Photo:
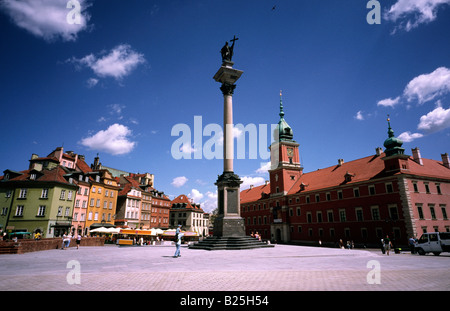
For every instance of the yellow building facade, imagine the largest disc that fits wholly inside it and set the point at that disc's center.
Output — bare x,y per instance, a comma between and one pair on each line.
102,200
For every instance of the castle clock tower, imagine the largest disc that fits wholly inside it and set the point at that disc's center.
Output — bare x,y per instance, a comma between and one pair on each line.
285,160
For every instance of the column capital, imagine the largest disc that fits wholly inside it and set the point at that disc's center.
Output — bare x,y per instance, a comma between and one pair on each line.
227,89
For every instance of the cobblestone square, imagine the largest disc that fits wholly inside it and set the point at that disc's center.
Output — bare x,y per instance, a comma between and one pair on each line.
282,268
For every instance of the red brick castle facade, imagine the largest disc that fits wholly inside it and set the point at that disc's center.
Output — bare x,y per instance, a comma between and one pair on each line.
387,193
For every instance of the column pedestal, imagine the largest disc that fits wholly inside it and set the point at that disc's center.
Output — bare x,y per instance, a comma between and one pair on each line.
229,222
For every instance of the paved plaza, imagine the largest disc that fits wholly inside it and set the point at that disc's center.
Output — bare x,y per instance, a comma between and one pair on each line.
282,268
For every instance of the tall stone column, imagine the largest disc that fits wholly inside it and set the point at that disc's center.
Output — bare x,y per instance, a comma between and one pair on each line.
229,222
228,148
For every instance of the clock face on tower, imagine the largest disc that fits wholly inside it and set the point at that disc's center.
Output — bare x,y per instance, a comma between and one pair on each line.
290,152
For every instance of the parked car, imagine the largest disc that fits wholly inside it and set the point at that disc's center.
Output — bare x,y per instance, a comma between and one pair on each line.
433,242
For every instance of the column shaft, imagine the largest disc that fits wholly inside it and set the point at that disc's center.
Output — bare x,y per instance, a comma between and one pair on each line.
228,148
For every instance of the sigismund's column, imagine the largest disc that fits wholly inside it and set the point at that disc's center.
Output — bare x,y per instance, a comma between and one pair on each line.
228,222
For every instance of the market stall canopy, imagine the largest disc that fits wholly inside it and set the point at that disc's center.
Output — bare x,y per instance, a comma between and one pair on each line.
113,230
137,232
106,230
158,231
102,225
171,232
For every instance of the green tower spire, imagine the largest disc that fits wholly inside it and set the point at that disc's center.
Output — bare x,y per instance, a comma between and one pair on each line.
393,144
284,130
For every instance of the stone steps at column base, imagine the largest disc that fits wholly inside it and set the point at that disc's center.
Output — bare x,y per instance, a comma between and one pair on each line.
230,243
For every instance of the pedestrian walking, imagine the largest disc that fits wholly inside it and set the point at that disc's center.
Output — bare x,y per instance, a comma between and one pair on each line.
78,240
178,245
64,238
383,249
387,244
412,245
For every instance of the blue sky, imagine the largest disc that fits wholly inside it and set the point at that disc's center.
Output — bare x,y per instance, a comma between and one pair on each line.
119,80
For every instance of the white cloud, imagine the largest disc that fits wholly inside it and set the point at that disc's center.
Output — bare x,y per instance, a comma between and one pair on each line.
411,13
113,140
116,109
187,148
428,86
47,18
209,202
247,181
92,82
120,62
436,120
389,102
359,116
195,195
424,88
264,168
179,181
409,137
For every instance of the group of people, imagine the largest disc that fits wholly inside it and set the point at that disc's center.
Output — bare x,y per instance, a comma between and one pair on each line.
256,235
348,245
67,238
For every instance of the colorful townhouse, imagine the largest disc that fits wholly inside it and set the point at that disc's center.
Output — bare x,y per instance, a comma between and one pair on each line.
129,204
102,205
189,215
40,199
161,206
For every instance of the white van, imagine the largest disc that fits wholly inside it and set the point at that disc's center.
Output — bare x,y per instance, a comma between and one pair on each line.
433,242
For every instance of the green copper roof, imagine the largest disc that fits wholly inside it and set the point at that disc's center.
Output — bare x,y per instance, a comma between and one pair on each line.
284,130
393,145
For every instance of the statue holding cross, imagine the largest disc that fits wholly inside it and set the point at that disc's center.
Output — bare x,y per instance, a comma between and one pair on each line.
227,51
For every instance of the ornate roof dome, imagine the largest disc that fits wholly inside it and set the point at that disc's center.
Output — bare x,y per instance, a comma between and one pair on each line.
284,130
393,145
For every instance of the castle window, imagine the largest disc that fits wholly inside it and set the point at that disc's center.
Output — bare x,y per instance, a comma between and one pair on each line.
330,216
389,188
393,212
342,215
359,214
438,189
